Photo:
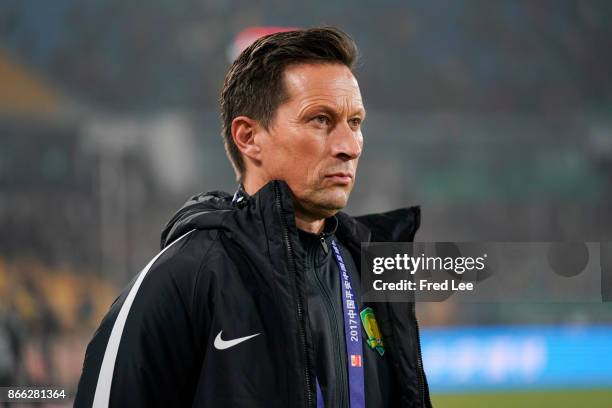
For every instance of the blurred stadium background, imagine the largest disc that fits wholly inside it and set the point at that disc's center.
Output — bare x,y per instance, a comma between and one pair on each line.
495,117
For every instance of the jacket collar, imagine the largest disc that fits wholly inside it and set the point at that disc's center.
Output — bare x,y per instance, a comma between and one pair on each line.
398,225
209,210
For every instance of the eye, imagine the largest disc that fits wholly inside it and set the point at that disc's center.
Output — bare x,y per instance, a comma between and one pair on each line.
355,122
322,120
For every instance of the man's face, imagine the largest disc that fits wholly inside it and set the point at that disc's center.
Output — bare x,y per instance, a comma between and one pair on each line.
314,140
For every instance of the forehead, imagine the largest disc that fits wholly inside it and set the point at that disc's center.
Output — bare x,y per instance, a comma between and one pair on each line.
330,83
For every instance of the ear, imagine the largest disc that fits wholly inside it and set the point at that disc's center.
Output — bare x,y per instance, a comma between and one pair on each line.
244,130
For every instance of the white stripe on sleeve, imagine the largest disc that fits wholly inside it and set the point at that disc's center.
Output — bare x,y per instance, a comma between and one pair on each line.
105,377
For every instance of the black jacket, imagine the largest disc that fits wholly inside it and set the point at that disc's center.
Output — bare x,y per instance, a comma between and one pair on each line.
326,321
230,271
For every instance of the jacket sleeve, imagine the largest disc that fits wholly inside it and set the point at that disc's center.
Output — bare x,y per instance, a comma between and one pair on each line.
145,352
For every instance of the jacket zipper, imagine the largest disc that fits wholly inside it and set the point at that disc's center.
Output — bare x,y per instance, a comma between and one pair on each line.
334,327
299,296
324,244
420,375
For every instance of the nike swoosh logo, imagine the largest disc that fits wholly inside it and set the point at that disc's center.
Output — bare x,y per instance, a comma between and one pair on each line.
221,344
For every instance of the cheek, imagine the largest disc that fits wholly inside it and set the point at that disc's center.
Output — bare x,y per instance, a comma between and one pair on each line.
304,165
296,154
306,148
276,152
313,158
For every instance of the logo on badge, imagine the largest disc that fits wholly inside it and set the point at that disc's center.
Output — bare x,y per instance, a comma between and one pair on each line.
355,360
371,328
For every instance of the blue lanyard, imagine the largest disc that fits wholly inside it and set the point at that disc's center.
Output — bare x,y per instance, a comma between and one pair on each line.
352,335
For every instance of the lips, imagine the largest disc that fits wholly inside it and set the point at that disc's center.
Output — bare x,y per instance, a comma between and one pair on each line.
340,177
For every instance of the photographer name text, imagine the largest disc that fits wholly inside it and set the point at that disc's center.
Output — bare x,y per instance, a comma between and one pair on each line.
413,264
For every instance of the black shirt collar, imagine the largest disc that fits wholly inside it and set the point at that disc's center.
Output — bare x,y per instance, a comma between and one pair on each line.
240,196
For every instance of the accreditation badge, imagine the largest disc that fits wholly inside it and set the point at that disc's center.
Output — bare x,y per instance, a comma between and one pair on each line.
371,328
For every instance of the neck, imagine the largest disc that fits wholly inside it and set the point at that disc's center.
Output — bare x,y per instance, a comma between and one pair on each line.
303,221
252,185
309,224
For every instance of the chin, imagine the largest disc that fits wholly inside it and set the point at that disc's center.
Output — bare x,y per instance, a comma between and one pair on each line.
334,202
325,203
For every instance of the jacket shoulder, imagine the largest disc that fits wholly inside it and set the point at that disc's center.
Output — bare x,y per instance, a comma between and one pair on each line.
154,312
398,225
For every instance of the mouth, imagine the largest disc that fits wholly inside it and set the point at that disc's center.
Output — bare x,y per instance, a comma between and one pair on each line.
344,178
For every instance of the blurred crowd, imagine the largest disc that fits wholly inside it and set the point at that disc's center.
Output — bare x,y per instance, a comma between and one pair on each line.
541,56
47,315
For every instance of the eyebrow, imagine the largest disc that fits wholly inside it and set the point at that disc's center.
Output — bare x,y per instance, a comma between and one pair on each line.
331,111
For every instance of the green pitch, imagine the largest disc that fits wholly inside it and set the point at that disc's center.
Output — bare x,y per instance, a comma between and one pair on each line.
526,399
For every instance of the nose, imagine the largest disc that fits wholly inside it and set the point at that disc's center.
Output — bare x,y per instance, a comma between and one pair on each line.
347,142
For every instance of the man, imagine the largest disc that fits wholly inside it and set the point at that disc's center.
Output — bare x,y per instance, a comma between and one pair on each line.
254,300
